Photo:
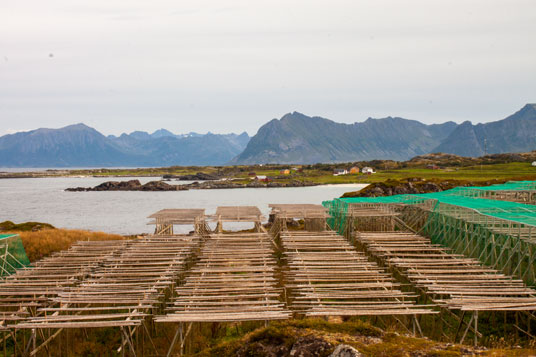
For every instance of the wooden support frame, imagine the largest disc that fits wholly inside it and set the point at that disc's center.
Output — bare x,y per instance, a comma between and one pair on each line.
165,219
237,214
505,245
314,216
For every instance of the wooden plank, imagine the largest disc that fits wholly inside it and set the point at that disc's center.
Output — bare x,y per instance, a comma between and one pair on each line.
320,286
467,285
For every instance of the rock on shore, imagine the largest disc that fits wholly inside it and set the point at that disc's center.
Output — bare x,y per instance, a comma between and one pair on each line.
413,186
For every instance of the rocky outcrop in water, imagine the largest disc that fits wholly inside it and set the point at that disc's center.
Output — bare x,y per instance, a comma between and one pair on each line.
131,185
253,184
135,185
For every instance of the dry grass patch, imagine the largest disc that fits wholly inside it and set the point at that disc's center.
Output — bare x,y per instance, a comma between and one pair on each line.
47,241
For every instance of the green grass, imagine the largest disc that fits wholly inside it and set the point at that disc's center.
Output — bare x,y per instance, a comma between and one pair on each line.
517,170
469,173
324,175
24,227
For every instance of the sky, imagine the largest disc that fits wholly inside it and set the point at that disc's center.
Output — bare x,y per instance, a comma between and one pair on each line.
231,66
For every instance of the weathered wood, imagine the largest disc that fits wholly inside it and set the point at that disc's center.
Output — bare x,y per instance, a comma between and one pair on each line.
233,280
114,288
166,218
449,279
238,214
321,285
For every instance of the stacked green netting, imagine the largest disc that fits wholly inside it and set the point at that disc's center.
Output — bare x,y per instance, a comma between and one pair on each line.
12,254
511,211
478,191
466,197
511,186
337,209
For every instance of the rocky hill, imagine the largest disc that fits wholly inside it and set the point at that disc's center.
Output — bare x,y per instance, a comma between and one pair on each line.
414,185
351,338
442,159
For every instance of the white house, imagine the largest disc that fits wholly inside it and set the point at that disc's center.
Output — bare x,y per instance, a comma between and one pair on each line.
338,172
534,163
367,170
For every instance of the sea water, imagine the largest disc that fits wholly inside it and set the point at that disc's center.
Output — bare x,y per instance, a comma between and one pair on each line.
125,212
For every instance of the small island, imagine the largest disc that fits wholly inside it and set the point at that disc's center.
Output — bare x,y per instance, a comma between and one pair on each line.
135,185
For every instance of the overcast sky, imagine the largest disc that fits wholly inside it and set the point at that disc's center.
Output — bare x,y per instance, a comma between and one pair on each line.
230,66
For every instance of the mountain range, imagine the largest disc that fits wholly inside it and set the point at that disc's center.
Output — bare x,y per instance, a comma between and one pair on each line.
295,138
81,146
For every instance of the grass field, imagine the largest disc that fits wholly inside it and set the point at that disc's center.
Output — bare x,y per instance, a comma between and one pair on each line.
470,173
517,170
323,173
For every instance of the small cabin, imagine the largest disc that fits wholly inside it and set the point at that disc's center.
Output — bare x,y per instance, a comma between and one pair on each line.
534,163
368,170
354,170
252,174
284,172
338,172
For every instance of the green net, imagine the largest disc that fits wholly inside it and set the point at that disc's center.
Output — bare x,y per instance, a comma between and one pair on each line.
13,254
511,211
499,233
495,190
466,197
510,186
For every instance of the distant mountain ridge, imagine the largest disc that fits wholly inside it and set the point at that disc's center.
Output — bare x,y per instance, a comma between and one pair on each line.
516,133
81,146
299,139
160,133
294,139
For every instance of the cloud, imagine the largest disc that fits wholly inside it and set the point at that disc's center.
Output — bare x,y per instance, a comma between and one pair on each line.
198,66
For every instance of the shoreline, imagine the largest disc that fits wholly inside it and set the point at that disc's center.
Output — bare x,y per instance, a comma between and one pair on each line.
31,175
158,186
